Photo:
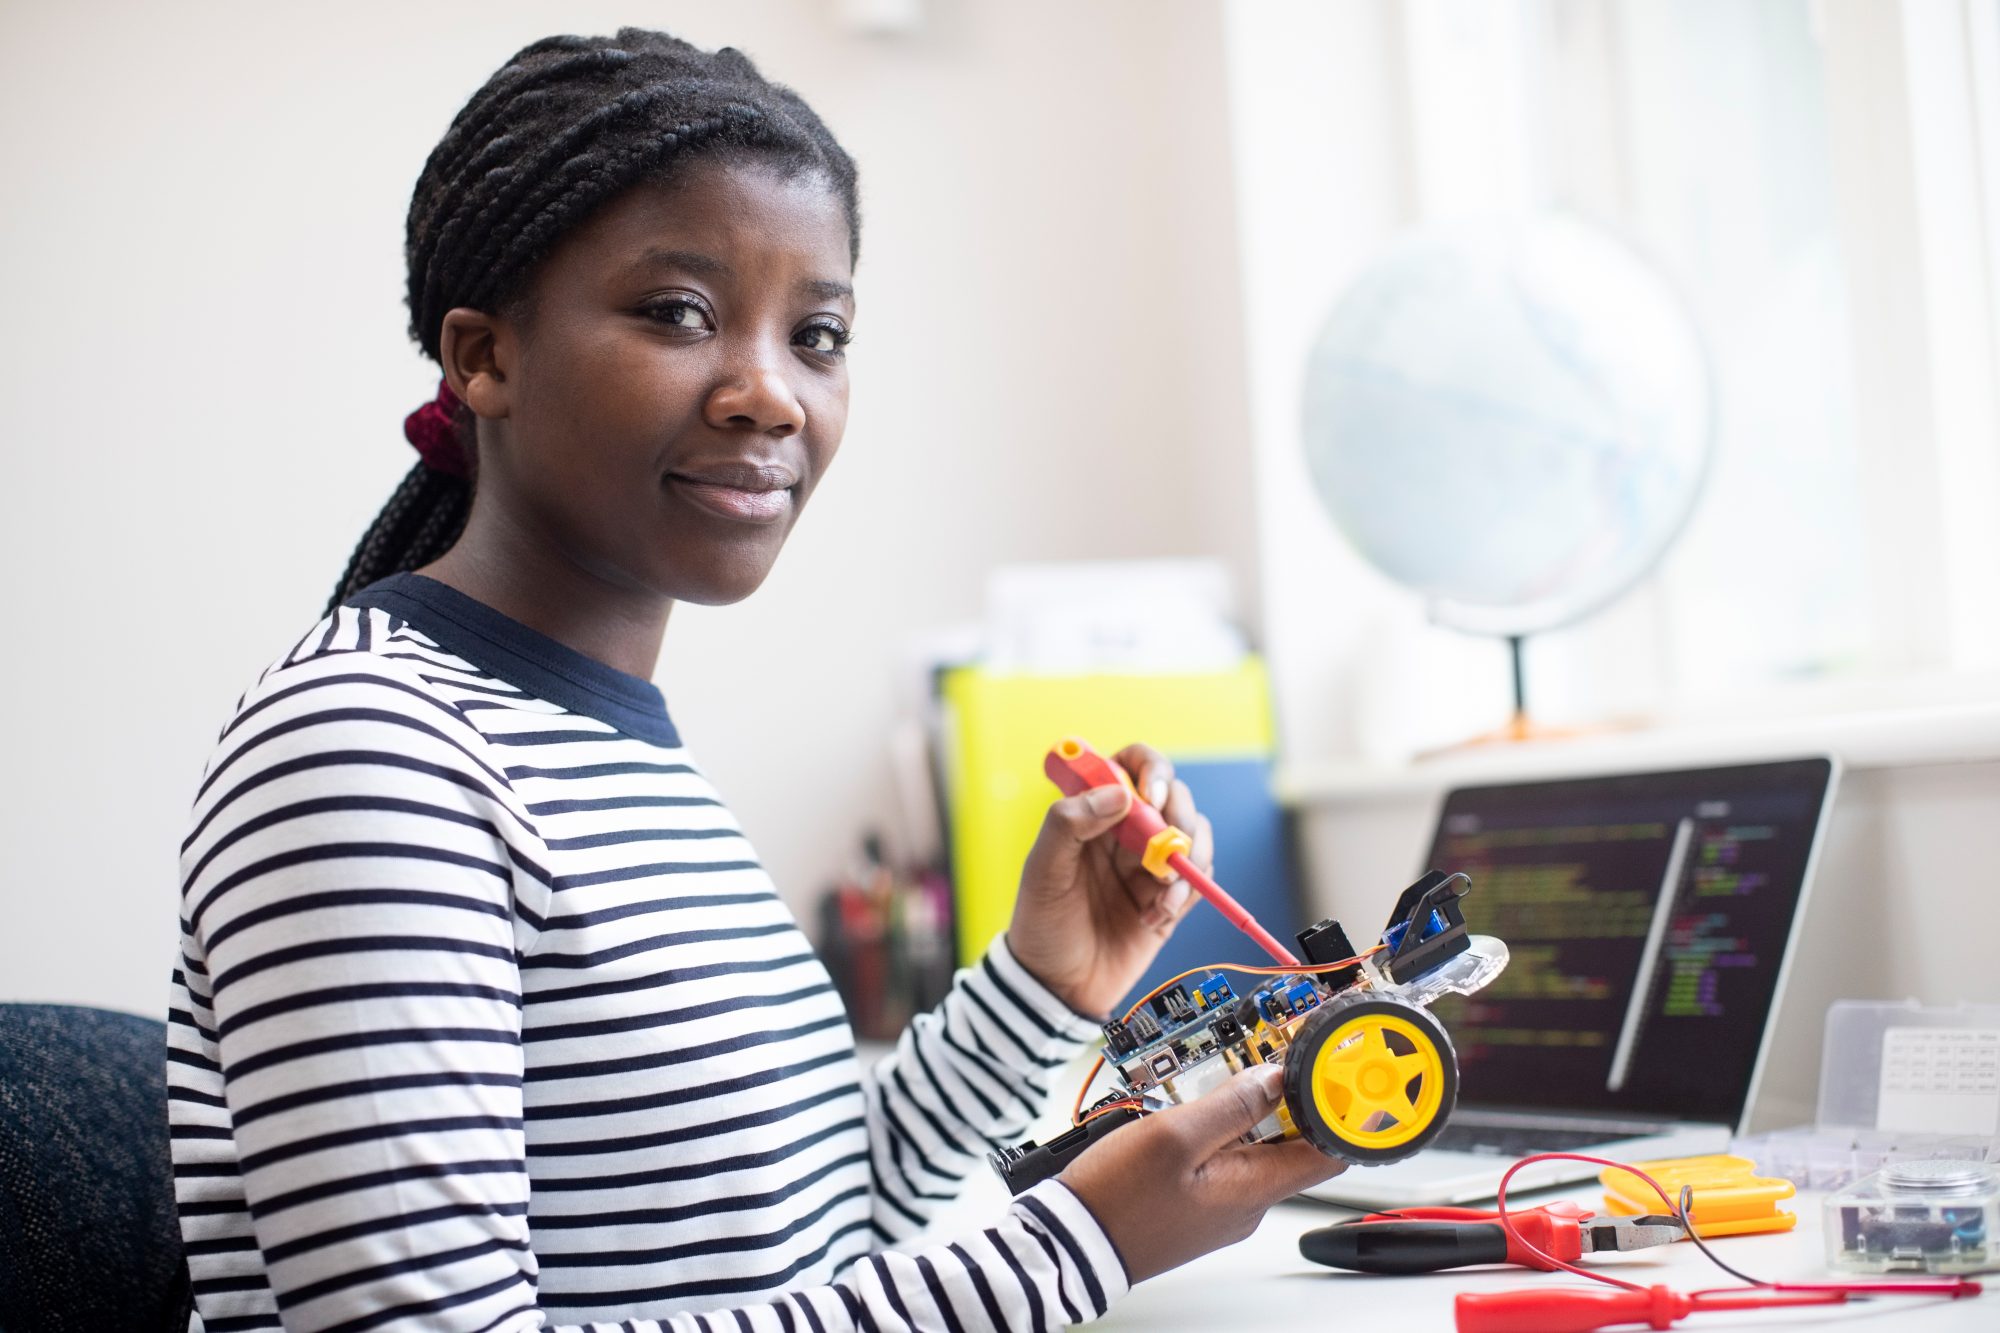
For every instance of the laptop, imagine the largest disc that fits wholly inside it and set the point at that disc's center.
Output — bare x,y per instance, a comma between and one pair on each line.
1650,918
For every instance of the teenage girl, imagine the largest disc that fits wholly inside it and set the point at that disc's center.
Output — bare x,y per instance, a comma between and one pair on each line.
487,1016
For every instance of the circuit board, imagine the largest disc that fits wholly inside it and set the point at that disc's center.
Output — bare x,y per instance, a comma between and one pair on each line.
1192,1036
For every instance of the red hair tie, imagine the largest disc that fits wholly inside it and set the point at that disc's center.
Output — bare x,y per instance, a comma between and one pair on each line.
433,429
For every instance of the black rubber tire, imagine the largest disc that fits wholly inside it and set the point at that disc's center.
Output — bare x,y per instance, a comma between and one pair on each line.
1304,1050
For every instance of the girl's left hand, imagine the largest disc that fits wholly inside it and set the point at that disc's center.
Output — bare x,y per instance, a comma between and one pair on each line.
1090,919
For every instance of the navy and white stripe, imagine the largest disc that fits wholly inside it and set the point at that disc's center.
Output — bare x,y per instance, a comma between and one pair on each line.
487,1018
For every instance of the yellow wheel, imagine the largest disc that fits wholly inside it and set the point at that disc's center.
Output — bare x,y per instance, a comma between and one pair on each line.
1370,1080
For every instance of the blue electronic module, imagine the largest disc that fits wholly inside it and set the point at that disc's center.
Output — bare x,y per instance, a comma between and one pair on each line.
1211,991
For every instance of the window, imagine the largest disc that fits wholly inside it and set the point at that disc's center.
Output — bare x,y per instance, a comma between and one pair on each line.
1700,134
1821,183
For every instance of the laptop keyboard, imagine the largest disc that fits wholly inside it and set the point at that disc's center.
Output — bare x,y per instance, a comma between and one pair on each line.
1519,1141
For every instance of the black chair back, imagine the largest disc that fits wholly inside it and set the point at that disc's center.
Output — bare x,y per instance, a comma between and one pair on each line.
88,1235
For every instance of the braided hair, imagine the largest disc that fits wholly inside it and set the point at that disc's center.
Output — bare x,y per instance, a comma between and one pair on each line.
558,131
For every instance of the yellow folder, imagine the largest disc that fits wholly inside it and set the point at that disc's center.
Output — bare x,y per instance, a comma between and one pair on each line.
997,727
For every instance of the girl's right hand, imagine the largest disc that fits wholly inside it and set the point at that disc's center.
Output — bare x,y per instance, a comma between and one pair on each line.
1179,1183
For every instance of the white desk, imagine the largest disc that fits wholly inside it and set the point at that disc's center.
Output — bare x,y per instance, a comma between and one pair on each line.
1264,1285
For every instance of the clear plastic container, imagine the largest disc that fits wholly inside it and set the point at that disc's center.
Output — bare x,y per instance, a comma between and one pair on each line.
1921,1216
1899,1082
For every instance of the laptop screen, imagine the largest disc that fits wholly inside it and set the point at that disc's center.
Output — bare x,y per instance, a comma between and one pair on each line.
1648,917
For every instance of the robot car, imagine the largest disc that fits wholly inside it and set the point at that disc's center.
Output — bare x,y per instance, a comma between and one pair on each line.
1370,1076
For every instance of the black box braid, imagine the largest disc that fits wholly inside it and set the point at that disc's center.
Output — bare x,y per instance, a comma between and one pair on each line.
559,130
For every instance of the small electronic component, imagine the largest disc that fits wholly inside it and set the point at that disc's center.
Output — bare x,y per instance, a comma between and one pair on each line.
1213,991
1325,942
1118,1040
1173,1006
1935,1215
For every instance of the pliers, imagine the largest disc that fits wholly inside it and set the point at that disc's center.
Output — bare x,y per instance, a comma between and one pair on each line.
1425,1240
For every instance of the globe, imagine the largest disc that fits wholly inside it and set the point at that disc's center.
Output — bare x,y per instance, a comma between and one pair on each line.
1510,418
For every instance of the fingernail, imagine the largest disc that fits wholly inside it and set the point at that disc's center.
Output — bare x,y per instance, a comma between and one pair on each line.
1265,1083
1109,800
1176,895
1156,792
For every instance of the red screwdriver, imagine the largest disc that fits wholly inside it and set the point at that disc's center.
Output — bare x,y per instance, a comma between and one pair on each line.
1073,766
1569,1310
1574,1310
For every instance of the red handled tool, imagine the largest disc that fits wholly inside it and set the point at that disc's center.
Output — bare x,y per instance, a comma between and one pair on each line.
1574,1310
1073,766
1427,1240
1568,1310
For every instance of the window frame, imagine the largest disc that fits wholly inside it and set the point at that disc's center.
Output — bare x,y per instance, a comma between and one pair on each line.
1913,91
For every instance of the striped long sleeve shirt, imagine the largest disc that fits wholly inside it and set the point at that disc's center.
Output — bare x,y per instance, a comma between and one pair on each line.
487,1018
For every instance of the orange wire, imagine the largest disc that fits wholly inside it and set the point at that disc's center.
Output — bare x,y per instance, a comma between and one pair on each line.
1108,1107
1076,1116
1076,1111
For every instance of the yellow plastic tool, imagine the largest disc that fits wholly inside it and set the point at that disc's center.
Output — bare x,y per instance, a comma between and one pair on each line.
1730,1198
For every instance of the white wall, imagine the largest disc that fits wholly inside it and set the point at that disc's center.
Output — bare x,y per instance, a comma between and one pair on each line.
203,371
1321,184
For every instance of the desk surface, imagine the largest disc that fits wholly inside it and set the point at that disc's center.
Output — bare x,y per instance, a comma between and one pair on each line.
1264,1284
1264,1278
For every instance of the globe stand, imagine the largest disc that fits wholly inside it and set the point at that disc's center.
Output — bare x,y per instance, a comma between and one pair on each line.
1519,724
1520,727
